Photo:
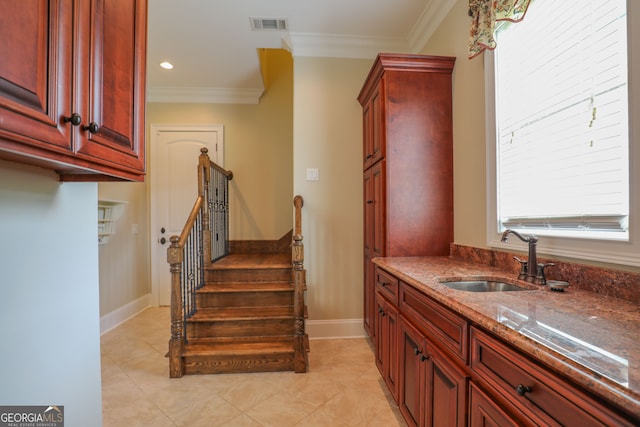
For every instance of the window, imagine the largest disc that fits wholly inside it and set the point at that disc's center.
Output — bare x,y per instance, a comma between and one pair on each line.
560,153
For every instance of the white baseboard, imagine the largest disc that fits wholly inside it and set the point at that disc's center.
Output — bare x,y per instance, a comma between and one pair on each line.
342,328
124,313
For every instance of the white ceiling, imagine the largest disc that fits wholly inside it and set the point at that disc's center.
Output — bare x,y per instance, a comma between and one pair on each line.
214,49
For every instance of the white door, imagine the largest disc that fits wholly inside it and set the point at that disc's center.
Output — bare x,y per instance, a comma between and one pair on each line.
173,155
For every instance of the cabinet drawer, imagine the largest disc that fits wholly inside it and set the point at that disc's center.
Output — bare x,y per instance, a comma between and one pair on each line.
441,324
534,391
387,285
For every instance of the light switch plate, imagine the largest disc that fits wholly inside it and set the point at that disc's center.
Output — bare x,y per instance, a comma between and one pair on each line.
312,174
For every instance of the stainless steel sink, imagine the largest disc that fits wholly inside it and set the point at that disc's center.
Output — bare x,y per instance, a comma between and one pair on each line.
482,286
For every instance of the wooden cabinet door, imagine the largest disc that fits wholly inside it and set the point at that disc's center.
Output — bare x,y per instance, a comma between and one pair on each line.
484,412
369,267
373,126
379,208
445,393
111,54
386,325
367,135
391,371
35,47
381,346
386,339
411,373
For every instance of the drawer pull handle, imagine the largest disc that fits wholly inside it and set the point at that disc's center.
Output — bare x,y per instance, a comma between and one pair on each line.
424,357
417,351
523,389
383,284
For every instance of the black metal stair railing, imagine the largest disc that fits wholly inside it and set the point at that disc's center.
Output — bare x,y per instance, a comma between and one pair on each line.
218,200
205,236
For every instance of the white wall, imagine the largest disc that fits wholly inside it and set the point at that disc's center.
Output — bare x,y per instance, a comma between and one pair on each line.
49,308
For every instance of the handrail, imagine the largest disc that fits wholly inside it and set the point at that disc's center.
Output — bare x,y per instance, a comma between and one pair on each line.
301,340
197,241
191,220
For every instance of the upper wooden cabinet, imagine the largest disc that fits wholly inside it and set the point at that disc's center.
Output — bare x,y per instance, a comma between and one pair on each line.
72,86
407,119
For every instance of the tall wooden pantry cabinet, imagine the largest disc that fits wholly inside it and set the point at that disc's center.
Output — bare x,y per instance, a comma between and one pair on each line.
408,162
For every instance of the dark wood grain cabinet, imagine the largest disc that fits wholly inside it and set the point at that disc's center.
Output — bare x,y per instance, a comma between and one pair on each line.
408,161
387,342
72,86
386,332
433,390
450,372
536,395
484,412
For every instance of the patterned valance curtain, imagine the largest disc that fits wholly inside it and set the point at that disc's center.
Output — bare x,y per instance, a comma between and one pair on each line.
485,14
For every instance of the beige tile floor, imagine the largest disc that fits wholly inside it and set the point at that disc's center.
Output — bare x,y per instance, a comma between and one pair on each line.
342,388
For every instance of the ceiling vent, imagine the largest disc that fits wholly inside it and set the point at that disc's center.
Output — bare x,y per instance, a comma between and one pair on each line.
259,24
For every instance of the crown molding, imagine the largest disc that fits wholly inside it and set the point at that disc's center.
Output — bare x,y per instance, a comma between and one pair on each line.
317,45
345,46
432,16
204,95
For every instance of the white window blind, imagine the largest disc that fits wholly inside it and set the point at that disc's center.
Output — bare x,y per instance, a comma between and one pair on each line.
562,119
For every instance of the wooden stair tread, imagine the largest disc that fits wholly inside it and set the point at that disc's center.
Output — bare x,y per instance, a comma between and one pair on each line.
253,261
246,287
241,313
239,347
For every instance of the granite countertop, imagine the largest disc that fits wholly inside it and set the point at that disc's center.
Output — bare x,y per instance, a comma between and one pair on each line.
593,339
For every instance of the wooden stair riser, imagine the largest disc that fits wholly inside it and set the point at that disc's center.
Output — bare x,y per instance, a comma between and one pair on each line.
240,328
248,275
244,299
235,364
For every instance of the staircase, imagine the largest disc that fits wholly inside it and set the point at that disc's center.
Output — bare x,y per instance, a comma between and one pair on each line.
245,318
236,306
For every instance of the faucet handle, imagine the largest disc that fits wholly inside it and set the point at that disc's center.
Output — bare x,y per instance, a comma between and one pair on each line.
541,278
523,268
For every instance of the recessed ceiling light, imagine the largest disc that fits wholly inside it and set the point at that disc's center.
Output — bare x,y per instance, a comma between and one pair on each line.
166,65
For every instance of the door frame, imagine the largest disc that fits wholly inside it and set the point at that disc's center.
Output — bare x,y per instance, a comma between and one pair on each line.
154,128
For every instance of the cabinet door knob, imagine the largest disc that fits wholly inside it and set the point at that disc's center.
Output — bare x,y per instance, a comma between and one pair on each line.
424,357
417,351
162,240
92,127
74,119
523,389
369,202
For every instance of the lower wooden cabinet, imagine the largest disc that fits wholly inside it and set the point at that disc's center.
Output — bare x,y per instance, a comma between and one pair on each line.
386,338
444,371
484,412
433,390
531,390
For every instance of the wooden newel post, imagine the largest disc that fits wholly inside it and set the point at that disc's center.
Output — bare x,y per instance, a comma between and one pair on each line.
299,282
174,257
204,187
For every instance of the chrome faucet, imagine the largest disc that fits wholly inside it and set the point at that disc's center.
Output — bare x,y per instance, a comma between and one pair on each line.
534,273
